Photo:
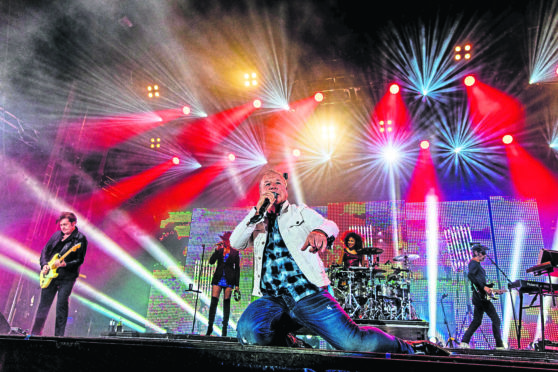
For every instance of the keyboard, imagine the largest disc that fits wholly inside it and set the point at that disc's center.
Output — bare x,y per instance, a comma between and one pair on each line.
543,268
532,287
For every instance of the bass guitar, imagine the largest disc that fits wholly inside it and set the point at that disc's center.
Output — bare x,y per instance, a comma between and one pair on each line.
45,279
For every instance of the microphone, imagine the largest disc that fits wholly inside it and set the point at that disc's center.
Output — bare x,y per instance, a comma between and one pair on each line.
444,295
191,289
266,204
258,216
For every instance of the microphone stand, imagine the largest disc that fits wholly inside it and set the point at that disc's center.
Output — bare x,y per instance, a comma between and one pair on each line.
197,291
517,331
450,342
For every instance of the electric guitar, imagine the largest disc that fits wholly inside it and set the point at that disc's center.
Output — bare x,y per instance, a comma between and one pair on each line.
45,279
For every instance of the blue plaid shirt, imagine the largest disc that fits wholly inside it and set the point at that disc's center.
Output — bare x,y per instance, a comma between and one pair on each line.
280,273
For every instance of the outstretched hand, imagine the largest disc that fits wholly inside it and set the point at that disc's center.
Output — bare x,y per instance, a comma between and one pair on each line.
317,242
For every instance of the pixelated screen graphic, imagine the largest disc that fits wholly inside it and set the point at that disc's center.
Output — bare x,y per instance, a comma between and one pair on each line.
510,228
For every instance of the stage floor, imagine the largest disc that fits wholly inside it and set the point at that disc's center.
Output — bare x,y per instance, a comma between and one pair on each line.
134,351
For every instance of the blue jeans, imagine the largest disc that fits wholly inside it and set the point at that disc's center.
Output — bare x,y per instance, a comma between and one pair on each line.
267,321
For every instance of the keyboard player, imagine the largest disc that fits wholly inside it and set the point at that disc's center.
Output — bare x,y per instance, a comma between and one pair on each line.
481,303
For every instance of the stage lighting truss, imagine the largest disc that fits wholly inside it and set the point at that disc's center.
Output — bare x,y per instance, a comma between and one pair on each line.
458,240
333,96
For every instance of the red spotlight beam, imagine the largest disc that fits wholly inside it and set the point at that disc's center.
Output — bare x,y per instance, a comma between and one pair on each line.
391,107
102,133
105,200
201,136
298,114
494,112
424,179
176,197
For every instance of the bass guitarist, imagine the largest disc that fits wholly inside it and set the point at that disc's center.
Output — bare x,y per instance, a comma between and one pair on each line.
67,270
481,302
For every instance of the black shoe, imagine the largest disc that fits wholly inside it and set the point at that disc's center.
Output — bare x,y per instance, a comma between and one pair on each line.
424,347
293,341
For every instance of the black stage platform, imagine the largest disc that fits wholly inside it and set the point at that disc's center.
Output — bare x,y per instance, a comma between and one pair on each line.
129,351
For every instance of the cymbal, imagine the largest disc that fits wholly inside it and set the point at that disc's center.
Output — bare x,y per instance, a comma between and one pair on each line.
378,271
357,268
371,250
406,257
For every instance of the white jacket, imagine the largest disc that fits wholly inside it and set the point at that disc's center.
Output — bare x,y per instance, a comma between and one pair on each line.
295,223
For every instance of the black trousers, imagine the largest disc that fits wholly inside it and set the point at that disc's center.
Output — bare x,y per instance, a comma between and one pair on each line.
480,308
64,290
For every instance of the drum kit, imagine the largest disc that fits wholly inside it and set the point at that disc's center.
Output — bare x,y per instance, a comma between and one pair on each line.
371,293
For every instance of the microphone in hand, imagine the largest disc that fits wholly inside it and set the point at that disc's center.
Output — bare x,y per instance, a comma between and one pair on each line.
266,204
444,295
258,216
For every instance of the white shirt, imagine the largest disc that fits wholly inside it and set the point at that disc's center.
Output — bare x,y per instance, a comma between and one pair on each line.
295,223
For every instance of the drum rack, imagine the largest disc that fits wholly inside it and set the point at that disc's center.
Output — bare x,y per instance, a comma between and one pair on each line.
365,293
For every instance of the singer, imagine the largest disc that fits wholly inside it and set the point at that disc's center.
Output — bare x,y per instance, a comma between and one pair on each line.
290,280
481,303
227,277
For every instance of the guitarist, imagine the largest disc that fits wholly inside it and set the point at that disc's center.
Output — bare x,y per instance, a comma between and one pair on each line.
68,271
481,303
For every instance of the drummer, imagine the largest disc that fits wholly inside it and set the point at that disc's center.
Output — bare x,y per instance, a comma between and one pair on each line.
352,252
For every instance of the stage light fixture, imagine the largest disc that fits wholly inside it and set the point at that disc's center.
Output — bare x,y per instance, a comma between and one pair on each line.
231,157
155,142
257,103
467,48
153,91
390,154
394,88
319,97
296,153
469,80
424,144
507,139
186,110
176,160
250,79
